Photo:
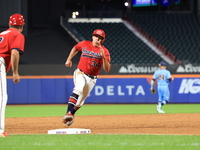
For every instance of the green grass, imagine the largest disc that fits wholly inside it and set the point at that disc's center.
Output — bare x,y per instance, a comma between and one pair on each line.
99,141
111,109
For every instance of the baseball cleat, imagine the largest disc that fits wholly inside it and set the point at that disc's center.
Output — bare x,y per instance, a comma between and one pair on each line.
67,118
3,134
69,123
159,110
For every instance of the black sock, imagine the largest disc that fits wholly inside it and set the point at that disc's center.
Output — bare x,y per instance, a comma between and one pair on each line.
74,109
70,107
72,102
163,103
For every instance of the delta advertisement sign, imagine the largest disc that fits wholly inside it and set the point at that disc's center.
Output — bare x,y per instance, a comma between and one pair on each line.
108,89
137,90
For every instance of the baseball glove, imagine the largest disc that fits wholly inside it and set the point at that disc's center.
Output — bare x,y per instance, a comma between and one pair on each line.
153,91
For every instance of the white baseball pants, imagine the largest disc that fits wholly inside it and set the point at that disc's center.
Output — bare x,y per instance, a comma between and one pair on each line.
83,86
3,94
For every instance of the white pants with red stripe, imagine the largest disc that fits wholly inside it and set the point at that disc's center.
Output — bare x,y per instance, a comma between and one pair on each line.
3,94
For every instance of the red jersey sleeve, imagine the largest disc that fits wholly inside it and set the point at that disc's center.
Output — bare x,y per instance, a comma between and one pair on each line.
18,43
79,45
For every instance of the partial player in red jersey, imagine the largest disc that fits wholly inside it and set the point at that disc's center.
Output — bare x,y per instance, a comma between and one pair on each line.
11,47
94,56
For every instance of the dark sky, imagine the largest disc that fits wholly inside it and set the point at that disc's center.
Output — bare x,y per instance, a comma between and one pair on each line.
90,4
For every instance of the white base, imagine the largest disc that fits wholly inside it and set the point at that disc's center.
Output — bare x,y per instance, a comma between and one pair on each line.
69,131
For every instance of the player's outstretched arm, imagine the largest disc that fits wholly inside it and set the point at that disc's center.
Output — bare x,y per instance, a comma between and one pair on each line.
73,52
153,91
15,63
152,83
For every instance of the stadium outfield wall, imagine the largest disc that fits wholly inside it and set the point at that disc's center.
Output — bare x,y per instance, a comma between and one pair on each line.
109,89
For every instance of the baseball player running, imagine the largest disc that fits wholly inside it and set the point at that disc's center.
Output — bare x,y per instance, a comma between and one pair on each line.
94,56
163,77
11,47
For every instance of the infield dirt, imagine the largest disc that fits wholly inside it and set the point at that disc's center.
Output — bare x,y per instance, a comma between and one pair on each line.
184,124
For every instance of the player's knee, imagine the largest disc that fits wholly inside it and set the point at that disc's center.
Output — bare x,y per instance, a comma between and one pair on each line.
77,91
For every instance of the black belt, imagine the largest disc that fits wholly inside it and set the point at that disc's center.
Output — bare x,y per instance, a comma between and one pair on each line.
92,77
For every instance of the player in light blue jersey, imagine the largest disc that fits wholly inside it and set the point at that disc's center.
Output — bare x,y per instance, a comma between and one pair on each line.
163,78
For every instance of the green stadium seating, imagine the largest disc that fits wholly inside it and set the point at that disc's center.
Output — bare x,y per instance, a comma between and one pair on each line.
177,32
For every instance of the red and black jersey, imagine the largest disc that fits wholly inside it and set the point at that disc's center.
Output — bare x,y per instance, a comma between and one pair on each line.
91,60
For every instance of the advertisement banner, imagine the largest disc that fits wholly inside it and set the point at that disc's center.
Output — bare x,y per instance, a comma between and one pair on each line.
128,69
108,89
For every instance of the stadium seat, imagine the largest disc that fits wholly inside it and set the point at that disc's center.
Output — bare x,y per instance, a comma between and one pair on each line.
177,32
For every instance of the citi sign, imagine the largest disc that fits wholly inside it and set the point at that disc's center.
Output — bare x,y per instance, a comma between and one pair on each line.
189,86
